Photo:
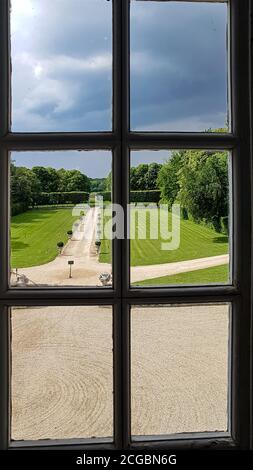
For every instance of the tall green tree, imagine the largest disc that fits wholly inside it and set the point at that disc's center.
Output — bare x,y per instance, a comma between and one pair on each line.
152,175
25,186
168,177
73,180
138,180
48,177
204,185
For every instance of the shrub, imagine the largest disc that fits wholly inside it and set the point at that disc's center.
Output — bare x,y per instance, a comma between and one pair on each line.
73,197
145,196
70,232
60,244
224,225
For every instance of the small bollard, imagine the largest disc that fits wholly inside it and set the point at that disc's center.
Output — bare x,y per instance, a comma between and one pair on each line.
70,263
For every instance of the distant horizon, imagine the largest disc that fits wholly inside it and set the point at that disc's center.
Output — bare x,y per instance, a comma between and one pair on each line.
98,167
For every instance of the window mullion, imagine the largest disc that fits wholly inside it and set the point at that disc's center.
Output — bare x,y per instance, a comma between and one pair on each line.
124,184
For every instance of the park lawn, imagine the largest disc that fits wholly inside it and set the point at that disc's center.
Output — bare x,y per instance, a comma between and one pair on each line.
35,233
216,275
196,241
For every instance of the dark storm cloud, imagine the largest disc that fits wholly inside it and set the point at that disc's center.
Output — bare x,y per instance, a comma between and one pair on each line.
61,59
178,64
62,65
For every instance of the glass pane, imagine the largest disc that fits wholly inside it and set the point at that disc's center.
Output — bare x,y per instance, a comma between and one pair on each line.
179,217
179,369
179,66
58,202
61,54
62,380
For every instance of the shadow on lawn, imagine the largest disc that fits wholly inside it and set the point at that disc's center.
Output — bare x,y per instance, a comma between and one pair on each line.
32,216
220,239
17,245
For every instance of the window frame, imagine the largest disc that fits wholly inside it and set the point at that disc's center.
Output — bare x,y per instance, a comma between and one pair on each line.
121,141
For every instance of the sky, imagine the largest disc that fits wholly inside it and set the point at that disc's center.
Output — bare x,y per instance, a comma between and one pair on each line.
62,72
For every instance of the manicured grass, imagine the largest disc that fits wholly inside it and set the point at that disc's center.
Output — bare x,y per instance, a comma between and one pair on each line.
34,235
196,241
217,274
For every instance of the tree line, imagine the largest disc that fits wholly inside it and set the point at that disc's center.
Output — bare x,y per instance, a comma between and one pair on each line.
27,185
142,177
196,179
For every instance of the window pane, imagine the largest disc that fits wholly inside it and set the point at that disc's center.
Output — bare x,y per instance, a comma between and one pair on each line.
179,217
62,381
179,66
179,369
61,65
58,222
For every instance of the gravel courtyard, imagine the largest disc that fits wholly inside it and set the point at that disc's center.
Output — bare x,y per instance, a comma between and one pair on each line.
62,379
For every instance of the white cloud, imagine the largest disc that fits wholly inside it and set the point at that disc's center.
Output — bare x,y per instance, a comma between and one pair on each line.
194,123
21,12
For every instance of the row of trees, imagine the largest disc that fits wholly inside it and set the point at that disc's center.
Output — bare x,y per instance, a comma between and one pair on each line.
198,180
142,177
28,184
52,180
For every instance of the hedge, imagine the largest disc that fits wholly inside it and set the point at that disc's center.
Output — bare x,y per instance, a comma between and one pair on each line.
74,197
18,208
136,196
107,195
145,196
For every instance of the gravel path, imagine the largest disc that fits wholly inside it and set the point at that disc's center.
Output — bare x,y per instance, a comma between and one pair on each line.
141,273
62,371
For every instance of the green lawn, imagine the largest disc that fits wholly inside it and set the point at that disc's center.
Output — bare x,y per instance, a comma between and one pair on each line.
34,235
217,274
196,241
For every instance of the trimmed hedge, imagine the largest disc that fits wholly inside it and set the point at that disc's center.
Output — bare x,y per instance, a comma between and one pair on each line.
18,208
136,196
74,197
107,195
145,196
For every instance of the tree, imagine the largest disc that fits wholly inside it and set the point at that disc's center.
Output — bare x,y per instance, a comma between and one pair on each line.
204,185
97,185
152,175
108,182
48,177
142,177
73,180
25,186
138,179
168,177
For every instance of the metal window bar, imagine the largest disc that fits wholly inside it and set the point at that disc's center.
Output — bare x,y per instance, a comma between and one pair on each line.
120,141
